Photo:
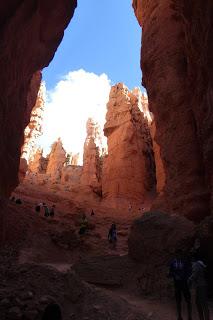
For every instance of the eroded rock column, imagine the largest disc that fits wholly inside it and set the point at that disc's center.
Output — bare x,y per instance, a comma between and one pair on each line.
92,165
128,170
57,159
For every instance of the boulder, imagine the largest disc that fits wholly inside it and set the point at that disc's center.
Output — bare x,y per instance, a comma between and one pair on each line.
154,237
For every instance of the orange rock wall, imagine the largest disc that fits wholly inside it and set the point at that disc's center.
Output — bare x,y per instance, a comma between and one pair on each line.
128,169
30,34
160,172
177,65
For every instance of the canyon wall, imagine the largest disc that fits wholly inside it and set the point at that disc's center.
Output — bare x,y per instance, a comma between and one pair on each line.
34,129
30,34
128,169
176,60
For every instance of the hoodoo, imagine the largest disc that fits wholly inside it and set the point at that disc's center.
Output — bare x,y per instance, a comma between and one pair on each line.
129,169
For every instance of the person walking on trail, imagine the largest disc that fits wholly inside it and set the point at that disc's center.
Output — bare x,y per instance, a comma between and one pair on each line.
46,211
130,207
83,225
52,211
112,235
180,270
198,278
38,207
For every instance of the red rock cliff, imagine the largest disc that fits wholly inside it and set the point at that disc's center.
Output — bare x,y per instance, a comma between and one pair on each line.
177,67
30,34
128,170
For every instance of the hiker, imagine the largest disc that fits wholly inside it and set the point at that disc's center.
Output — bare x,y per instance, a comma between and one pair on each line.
112,235
130,207
38,207
83,224
180,270
52,312
52,211
92,213
198,278
46,210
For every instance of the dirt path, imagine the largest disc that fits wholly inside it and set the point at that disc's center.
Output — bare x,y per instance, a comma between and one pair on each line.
157,309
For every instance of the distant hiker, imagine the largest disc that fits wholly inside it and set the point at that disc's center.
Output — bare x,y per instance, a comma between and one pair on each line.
180,270
112,235
38,207
52,211
18,201
130,207
198,278
83,224
46,211
52,312
92,213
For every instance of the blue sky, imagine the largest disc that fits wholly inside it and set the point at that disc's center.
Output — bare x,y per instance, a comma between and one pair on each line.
103,37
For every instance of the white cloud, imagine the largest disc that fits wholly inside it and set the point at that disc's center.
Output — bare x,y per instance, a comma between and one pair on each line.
77,97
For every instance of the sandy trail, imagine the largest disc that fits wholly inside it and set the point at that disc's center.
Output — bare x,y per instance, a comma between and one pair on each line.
41,250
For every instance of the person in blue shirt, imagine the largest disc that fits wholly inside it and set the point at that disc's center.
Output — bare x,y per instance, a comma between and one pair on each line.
180,271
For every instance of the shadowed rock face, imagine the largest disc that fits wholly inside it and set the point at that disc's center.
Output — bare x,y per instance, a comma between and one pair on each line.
30,34
177,69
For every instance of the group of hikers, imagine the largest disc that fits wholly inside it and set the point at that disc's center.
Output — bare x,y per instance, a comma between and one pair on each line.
186,272
48,212
84,224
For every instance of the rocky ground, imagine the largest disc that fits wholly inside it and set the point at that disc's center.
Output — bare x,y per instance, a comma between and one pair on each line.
46,260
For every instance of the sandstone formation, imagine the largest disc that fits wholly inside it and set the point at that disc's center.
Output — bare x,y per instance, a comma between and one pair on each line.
71,175
34,128
57,158
30,34
22,169
160,172
91,174
177,69
128,169
38,163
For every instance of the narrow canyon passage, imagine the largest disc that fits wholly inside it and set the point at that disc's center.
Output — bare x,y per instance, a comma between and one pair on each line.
144,166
